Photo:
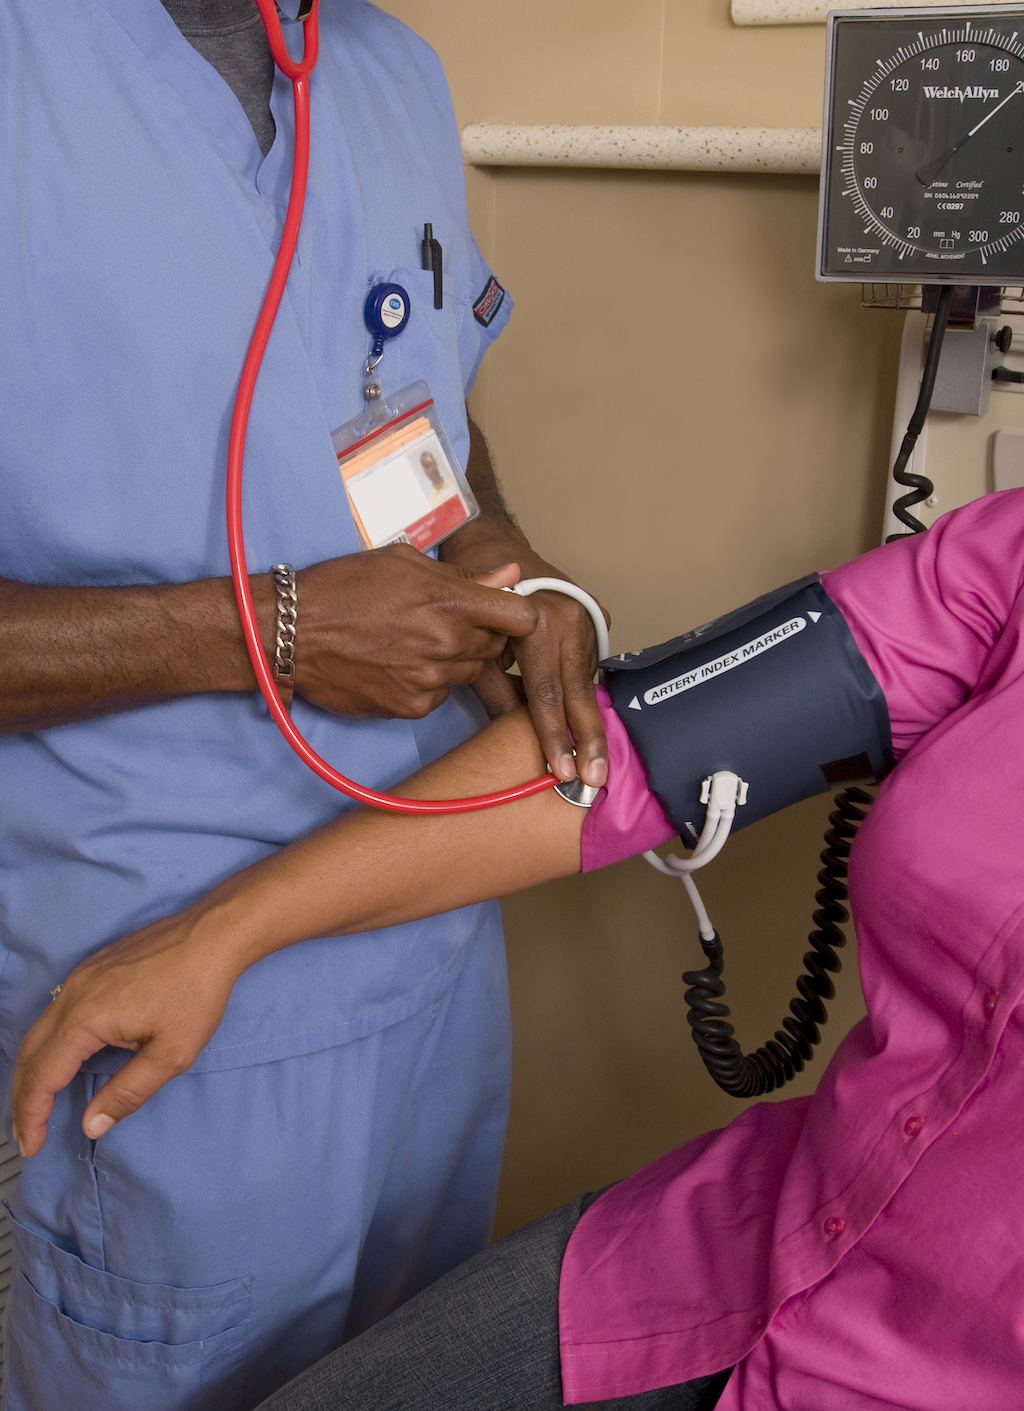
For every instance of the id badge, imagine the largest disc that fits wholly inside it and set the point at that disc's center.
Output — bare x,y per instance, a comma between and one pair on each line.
403,481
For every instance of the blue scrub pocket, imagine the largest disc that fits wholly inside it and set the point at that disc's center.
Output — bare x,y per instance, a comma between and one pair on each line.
77,1336
434,335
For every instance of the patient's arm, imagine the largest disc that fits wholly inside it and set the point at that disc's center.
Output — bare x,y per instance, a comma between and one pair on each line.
162,991
926,614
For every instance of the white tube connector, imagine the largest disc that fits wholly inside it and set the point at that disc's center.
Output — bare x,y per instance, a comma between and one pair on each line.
723,792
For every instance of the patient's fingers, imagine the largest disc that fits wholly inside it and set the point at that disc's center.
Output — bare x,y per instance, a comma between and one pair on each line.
52,1052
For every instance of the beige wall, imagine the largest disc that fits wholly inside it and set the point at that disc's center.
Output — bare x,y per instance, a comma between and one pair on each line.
682,419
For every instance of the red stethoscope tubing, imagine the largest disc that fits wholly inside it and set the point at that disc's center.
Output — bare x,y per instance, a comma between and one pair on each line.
298,73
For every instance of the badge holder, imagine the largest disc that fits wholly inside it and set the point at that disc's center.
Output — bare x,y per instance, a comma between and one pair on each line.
403,481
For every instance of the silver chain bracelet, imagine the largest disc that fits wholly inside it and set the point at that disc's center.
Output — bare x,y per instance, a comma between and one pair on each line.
284,639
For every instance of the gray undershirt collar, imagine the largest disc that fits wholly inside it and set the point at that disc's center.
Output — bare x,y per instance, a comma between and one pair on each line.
229,34
210,16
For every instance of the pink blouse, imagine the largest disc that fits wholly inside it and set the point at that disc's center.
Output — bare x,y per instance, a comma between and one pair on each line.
863,1248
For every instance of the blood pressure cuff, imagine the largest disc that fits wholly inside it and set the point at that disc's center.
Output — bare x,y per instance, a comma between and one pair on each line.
776,691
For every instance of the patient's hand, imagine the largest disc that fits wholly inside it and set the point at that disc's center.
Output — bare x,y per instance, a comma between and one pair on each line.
161,991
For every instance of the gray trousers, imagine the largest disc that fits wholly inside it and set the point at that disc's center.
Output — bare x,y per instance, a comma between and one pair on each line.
483,1338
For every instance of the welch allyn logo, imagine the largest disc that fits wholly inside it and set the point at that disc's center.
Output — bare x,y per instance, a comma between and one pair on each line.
930,91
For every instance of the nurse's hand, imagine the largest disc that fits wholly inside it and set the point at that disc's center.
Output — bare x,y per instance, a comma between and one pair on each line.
557,664
557,660
385,633
160,992
390,632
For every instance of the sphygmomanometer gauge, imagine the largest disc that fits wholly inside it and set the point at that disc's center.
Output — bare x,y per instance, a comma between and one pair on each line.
923,146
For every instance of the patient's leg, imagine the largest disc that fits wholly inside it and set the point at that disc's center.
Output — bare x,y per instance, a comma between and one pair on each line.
483,1338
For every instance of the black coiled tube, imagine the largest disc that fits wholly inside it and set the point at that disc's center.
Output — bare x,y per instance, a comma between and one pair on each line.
753,1074
921,488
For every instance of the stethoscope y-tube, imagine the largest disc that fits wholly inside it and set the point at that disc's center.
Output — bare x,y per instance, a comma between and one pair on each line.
299,74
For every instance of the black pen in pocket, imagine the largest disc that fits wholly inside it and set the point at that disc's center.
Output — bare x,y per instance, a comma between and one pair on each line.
432,260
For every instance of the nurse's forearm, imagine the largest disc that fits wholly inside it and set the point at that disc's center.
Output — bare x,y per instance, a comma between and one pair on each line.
73,653
386,633
372,869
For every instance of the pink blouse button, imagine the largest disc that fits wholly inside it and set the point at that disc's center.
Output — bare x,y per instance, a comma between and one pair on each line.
758,1324
913,1126
834,1227
991,1000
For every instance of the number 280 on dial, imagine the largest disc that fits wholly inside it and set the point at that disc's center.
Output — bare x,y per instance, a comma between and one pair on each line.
923,146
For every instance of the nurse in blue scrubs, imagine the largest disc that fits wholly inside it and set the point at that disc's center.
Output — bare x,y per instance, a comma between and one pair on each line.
336,1145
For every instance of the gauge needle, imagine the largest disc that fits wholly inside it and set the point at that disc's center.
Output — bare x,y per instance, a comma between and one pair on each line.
926,175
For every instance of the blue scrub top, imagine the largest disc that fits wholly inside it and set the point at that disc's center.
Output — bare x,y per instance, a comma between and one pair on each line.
136,239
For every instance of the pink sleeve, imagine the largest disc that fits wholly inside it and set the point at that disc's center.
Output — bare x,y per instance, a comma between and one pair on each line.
626,818
927,612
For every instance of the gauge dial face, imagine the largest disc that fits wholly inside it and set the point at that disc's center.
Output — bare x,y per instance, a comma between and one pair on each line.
924,172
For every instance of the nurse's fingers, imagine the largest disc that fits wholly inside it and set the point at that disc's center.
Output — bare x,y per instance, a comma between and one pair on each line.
498,692
477,603
557,662
437,682
380,628
584,718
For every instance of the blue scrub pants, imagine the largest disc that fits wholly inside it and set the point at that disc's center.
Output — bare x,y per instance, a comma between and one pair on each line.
214,1244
